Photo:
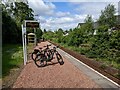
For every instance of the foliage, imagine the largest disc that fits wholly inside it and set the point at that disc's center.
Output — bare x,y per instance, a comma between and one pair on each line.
10,33
74,38
48,35
12,17
11,58
59,35
103,46
89,25
21,12
107,16
39,33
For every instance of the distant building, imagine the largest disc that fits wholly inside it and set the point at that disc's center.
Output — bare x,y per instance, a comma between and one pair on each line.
117,26
118,19
95,24
79,25
66,34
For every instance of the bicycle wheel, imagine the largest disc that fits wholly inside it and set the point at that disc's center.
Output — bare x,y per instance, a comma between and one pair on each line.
33,55
40,60
60,59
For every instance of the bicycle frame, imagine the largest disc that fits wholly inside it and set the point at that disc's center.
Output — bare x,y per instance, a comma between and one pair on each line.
54,51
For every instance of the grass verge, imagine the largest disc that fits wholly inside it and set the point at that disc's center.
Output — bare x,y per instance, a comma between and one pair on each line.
12,57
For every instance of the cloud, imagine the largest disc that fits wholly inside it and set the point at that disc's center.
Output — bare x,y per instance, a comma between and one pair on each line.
119,8
51,18
42,8
81,0
92,8
62,14
61,20
93,0
42,19
65,22
54,27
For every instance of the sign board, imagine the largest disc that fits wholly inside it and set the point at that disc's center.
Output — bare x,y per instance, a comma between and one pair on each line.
32,24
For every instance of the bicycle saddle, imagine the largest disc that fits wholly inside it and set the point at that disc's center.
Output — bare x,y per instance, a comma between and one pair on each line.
44,46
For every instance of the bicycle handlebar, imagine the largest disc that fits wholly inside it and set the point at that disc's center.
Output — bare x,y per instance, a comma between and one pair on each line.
47,46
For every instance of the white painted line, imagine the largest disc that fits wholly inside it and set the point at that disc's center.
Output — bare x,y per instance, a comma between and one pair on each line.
67,56
97,72
93,70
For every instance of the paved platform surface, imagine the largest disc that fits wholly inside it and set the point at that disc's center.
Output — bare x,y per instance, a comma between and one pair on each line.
101,81
72,74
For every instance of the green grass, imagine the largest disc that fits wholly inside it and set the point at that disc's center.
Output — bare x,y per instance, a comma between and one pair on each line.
12,57
30,47
85,51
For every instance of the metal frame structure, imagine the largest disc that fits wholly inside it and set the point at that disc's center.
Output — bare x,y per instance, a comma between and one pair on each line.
24,38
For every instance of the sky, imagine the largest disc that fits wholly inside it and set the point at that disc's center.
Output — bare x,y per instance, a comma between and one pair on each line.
66,14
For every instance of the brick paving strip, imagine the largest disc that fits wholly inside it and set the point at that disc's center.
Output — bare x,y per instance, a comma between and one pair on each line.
53,76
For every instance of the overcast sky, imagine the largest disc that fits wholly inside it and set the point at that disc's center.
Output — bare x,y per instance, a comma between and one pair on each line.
66,14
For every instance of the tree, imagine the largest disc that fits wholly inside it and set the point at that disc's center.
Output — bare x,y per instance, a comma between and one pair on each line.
13,15
89,25
59,34
49,35
10,33
21,11
39,33
75,38
107,16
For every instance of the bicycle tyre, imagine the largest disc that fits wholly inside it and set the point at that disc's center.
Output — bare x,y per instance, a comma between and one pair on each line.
40,60
60,59
33,56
